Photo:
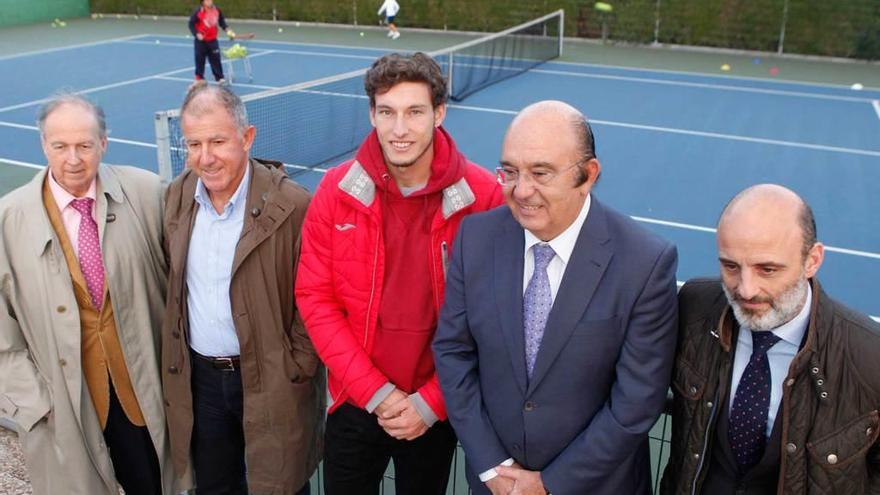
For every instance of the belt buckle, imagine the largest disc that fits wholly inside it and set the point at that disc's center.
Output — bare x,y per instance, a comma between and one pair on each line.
225,363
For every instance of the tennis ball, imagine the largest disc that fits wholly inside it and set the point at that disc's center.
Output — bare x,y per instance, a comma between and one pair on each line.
157,42
297,24
857,86
725,67
62,24
155,18
774,71
362,34
94,15
280,30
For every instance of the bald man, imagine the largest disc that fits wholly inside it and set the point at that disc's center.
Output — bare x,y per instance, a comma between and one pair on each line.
776,385
555,343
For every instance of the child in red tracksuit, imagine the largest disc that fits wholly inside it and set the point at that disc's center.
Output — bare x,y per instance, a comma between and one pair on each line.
203,25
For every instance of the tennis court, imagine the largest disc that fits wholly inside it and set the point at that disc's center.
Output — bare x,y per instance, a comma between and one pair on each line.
676,136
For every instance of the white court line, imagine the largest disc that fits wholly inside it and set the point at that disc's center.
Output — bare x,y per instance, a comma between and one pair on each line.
699,228
115,85
715,135
261,50
379,50
707,74
234,84
876,105
720,87
70,47
21,164
111,139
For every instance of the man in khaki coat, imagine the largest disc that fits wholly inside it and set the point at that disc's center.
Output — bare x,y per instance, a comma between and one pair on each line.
244,387
82,286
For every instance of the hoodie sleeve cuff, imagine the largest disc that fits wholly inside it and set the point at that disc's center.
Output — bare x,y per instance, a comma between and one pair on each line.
423,409
380,395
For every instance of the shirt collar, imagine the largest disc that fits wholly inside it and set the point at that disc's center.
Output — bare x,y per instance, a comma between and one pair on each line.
63,198
202,197
563,244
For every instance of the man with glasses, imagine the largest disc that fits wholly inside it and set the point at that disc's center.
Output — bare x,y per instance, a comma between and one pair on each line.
556,340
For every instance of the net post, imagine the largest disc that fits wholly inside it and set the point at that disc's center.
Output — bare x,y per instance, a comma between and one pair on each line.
561,29
449,83
163,146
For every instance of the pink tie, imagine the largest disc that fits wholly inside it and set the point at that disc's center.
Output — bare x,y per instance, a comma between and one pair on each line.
90,251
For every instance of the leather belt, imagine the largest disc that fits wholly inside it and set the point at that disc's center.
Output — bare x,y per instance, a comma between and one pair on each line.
229,363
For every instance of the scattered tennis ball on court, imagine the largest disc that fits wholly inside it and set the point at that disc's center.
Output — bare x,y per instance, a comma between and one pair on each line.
297,24
155,18
62,24
157,42
362,34
725,67
100,16
857,86
774,70
280,30
94,15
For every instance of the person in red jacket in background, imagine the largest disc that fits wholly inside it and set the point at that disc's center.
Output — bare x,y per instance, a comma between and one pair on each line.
376,241
203,25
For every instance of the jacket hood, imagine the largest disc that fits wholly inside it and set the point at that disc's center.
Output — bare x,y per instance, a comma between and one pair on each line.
447,168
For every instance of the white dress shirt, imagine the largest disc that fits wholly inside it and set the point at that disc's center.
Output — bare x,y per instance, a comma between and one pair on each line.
209,272
563,247
779,356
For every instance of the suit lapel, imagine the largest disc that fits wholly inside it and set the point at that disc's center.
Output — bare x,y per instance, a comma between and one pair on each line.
508,271
588,262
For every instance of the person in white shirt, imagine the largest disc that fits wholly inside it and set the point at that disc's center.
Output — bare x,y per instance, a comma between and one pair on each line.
390,8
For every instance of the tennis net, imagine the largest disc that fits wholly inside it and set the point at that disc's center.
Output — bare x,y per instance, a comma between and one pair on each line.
321,122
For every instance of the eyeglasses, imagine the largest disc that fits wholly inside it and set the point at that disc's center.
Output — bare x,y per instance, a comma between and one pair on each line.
510,177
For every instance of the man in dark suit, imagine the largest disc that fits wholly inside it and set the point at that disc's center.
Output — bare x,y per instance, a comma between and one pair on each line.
556,339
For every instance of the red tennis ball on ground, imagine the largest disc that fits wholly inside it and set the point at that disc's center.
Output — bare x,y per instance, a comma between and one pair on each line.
774,71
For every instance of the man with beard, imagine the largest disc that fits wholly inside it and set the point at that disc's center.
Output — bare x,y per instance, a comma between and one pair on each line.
375,246
777,386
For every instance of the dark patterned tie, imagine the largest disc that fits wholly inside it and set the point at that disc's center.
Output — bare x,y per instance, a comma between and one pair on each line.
748,416
89,247
537,301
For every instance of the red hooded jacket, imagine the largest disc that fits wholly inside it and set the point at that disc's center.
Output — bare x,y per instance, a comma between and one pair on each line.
343,269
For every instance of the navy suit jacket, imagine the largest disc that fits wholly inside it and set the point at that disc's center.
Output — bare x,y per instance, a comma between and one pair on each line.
602,370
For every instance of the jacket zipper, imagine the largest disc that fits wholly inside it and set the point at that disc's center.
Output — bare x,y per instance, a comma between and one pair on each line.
705,442
385,177
444,252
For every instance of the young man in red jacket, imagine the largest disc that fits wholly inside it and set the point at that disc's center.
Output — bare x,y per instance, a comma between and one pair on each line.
375,245
203,25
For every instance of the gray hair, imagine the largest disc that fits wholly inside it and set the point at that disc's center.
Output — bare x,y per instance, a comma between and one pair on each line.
219,93
67,97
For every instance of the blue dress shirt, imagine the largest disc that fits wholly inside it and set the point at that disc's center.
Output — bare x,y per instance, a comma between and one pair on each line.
209,272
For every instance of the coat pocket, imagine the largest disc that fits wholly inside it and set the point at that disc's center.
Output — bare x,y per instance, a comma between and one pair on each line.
839,460
686,382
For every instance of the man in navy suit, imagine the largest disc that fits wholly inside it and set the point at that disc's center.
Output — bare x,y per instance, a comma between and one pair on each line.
555,344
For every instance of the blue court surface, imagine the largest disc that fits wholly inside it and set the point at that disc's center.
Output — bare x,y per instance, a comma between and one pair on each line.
674,146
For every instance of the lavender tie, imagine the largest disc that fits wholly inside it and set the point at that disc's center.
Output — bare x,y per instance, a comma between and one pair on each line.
89,247
748,416
537,301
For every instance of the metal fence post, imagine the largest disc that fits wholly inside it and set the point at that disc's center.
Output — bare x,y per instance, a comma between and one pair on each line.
781,46
657,23
163,147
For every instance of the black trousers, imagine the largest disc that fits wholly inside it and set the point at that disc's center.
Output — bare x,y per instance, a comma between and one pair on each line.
218,435
357,450
132,452
211,50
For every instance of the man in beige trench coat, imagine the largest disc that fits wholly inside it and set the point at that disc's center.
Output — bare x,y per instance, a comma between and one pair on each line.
82,285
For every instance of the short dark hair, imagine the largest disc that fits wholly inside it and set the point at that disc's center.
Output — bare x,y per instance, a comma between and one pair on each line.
808,228
586,147
394,68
